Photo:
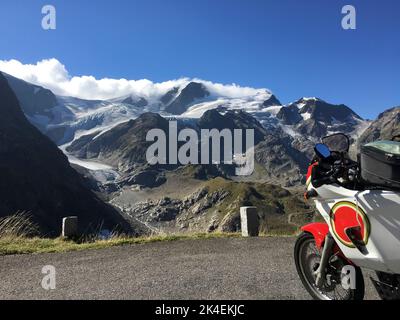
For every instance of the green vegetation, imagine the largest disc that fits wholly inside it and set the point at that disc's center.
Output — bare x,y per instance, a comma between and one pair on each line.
23,245
281,211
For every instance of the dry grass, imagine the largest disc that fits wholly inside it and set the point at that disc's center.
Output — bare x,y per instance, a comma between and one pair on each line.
18,225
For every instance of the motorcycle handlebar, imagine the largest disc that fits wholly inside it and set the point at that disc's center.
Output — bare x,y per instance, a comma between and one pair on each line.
338,170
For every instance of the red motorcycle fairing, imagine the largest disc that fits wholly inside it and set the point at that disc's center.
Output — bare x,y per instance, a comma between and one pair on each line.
309,173
319,232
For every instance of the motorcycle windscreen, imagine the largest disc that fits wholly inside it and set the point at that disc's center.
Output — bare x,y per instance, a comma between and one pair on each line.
337,142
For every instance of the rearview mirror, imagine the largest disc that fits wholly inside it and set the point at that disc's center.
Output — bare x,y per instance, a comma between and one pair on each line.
322,150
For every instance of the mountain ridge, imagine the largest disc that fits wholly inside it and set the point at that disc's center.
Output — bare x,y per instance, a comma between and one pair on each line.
37,177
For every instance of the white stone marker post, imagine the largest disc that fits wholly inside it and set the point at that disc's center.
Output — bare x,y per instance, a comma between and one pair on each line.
70,227
250,221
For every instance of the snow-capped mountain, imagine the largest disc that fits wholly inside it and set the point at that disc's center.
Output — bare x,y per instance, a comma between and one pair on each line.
70,121
65,119
316,118
105,141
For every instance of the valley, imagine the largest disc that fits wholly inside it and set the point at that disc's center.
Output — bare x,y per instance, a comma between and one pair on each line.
105,142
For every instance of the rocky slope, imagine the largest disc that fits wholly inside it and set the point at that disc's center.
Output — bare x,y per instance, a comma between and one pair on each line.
37,178
34,100
125,145
384,128
281,161
212,205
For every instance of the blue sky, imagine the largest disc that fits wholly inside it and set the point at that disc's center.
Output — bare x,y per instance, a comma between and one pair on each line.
295,48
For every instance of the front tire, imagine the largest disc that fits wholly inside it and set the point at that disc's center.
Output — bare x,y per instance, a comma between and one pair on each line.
307,258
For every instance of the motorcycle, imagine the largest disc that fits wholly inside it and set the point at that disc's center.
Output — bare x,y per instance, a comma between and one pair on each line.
359,202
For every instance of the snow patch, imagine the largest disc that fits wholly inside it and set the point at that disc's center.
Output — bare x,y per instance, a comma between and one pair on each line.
274,110
306,116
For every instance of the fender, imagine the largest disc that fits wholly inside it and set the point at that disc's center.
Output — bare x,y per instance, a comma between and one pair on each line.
319,232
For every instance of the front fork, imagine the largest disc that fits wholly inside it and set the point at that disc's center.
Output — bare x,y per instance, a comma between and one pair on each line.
327,249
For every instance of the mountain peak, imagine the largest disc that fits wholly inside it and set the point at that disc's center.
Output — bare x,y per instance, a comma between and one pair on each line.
311,99
320,110
192,92
135,101
306,100
272,101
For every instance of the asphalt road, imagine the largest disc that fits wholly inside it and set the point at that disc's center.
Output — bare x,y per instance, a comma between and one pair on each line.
256,268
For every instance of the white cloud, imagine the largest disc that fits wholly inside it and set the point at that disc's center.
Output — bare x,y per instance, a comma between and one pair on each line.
52,74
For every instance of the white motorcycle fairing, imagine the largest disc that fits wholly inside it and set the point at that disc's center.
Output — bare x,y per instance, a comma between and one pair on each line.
378,214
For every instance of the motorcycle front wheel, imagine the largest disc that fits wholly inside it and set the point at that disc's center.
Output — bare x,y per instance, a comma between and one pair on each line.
307,258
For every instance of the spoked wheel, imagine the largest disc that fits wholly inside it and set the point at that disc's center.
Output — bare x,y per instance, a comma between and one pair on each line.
308,257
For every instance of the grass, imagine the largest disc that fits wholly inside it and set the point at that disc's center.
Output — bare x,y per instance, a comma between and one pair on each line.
18,225
17,236
23,245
